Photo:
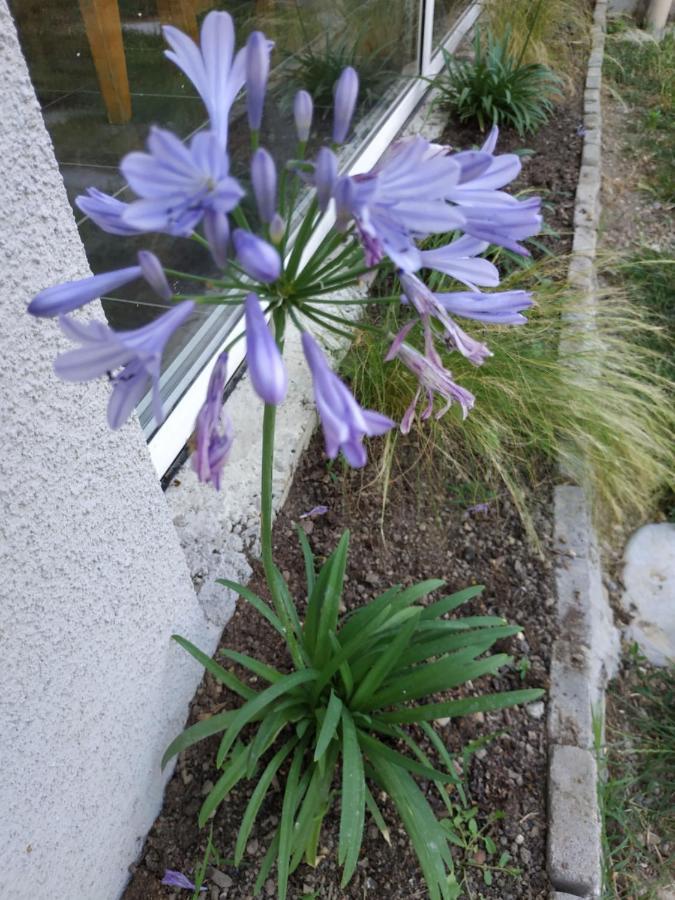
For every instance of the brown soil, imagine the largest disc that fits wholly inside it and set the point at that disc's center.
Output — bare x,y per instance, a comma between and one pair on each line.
425,531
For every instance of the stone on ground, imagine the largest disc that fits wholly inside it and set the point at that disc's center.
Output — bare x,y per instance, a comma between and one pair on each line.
649,595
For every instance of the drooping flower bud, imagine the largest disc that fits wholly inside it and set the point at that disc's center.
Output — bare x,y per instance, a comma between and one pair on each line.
303,109
346,92
154,274
257,71
277,229
264,179
325,176
256,257
265,365
217,231
63,298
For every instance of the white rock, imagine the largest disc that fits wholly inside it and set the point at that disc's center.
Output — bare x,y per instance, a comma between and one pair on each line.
535,710
649,596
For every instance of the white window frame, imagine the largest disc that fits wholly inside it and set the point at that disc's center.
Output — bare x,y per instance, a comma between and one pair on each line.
168,441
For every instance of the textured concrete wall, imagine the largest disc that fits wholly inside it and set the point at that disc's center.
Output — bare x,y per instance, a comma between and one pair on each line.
92,577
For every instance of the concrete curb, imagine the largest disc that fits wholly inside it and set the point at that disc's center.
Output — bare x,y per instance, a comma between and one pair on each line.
586,653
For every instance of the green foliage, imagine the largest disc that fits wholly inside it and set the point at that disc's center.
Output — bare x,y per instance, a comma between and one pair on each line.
637,784
643,74
496,88
602,401
334,725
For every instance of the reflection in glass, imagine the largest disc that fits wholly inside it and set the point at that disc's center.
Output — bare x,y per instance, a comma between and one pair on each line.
102,79
446,14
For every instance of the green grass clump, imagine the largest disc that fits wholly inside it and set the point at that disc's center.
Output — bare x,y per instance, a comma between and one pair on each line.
643,75
637,787
603,402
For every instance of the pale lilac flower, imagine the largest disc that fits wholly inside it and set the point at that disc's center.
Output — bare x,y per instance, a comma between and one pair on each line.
136,355
428,306
178,184
315,511
433,378
346,93
257,71
214,70
217,233
64,298
264,180
263,358
344,422
504,224
106,211
499,308
256,257
153,272
458,259
213,429
303,109
177,879
325,176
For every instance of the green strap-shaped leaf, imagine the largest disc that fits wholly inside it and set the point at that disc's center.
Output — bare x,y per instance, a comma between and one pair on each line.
451,602
308,556
465,707
436,626
257,797
373,747
328,607
196,733
256,602
378,818
269,673
359,620
353,799
234,772
272,722
384,664
482,638
267,863
219,673
291,798
331,720
247,712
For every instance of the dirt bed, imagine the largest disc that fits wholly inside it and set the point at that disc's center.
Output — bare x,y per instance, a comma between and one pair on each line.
427,530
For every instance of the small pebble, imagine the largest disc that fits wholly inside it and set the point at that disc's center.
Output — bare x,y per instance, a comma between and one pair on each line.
252,847
535,710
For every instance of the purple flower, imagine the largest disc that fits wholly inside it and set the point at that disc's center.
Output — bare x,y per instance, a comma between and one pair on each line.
303,109
178,184
177,879
217,233
215,72
344,422
499,308
400,199
64,298
504,224
428,306
325,176
135,354
458,259
265,365
433,379
256,257
154,274
213,429
346,93
257,71
264,179
106,211
315,511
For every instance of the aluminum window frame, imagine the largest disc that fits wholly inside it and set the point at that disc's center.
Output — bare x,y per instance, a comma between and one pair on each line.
169,440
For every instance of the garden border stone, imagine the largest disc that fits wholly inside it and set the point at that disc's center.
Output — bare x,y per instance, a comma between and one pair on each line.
586,653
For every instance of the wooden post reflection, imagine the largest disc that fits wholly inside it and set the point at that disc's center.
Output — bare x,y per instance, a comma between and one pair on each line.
104,33
181,13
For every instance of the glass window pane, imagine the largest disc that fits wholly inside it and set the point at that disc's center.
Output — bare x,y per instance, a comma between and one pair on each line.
446,14
102,79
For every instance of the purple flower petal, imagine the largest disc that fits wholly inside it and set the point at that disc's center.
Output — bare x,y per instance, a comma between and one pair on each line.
64,298
177,879
257,71
256,257
153,273
314,511
265,365
213,429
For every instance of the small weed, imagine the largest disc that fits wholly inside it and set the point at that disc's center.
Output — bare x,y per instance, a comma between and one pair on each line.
523,666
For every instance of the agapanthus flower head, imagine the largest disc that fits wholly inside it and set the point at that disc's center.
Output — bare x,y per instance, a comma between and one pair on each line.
178,184
257,71
131,359
344,422
303,110
257,258
216,72
213,429
264,180
433,378
263,358
64,298
346,95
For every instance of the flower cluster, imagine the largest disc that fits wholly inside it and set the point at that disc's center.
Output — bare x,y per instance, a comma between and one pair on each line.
185,189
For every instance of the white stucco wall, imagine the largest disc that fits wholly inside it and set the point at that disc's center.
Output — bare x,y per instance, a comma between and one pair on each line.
93,580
